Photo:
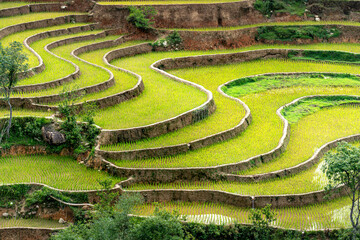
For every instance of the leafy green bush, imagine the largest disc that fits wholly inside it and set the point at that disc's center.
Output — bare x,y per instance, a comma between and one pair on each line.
285,33
43,195
80,137
9,194
141,17
26,131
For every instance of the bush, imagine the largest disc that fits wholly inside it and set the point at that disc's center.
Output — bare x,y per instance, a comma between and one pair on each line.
141,17
173,40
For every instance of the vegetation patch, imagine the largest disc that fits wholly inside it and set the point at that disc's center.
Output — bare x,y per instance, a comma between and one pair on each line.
270,7
310,105
335,56
283,33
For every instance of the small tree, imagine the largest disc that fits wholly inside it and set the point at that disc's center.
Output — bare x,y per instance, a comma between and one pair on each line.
342,167
12,63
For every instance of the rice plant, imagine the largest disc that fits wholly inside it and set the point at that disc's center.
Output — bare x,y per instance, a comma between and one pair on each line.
325,215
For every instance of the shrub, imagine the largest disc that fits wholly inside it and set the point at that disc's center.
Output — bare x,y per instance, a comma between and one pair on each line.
141,17
162,226
285,33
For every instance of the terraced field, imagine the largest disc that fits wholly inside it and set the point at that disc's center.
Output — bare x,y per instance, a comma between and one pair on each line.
210,133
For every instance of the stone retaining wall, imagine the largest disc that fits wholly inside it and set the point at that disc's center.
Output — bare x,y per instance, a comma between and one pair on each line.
49,7
191,15
205,40
6,31
159,128
244,201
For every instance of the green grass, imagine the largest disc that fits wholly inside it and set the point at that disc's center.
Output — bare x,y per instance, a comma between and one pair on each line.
4,22
21,36
32,223
310,23
56,171
332,214
149,2
4,5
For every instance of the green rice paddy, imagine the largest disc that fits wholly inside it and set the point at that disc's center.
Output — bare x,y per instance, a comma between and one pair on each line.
313,123
332,214
59,172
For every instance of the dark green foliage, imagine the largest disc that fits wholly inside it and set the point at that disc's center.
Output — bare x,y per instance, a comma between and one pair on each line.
162,226
270,7
173,40
285,33
308,106
115,226
43,196
26,131
261,220
328,56
9,194
141,17
80,137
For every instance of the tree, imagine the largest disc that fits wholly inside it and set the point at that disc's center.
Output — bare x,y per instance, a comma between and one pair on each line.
162,225
12,63
342,167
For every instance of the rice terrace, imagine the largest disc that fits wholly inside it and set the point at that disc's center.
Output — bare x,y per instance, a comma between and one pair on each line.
223,115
